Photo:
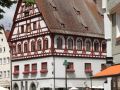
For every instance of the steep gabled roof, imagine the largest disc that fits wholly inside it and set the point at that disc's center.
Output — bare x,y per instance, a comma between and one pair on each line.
77,17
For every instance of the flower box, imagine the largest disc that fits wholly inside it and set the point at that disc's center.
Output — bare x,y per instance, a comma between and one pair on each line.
16,73
43,71
33,72
26,72
70,70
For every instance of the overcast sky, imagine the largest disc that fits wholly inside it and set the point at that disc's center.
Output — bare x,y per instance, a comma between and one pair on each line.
8,17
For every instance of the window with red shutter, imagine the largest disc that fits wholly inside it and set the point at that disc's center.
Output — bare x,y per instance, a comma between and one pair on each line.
16,70
44,67
103,66
70,67
34,68
26,69
88,68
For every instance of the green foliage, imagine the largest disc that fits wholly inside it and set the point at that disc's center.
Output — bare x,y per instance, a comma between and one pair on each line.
3,4
29,2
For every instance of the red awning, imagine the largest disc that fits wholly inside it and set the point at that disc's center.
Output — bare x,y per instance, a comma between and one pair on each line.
110,71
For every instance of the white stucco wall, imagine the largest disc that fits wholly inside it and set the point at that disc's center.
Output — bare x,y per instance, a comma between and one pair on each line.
76,79
4,61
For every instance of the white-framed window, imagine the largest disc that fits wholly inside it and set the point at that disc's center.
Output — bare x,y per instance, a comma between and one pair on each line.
46,43
25,47
0,74
103,46
8,60
5,74
33,46
0,61
88,44
59,43
3,49
19,48
79,44
0,50
39,44
15,87
70,43
96,45
4,60
32,86
8,73
2,39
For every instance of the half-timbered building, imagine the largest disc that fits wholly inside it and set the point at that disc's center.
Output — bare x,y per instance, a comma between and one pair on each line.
4,59
49,32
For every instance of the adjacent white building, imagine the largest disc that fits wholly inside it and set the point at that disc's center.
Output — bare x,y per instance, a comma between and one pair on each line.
112,35
4,61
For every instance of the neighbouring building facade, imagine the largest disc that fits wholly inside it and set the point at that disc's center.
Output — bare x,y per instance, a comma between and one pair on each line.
49,32
112,35
4,60
112,32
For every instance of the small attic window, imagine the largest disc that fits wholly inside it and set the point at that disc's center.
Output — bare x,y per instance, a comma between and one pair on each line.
55,8
62,25
77,11
53,5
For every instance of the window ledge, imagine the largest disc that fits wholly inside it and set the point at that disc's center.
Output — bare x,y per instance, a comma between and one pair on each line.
70,70
26,72
33,72
43,71
16,73
88,71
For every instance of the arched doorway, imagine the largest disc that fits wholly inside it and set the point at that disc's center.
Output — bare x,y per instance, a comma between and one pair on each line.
32,86
15,87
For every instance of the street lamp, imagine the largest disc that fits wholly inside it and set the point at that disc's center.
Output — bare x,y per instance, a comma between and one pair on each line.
65,63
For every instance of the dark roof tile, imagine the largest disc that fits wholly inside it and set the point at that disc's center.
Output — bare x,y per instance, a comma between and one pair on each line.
78,17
